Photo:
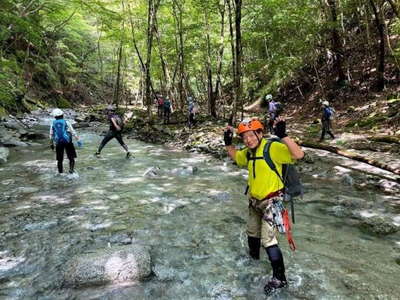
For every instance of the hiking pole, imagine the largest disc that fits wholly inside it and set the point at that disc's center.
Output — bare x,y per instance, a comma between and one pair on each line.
292,208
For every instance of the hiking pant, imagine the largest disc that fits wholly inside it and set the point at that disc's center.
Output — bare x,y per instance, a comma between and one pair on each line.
109,136
260,231
160,109
326,128
257,226
192,121
270,121
167,112
71,154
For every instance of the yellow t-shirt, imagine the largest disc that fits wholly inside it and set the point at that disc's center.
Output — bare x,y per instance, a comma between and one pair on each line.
262,179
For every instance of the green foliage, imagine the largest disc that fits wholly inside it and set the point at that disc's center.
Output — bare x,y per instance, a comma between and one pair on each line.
63,103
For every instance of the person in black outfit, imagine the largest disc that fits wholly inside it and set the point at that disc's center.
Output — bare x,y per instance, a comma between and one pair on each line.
114,132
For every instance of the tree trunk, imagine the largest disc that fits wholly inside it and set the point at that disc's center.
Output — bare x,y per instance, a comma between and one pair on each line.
238,62
354,156
166,83
220,56
337,47
118,81
380,84
210,94
152,12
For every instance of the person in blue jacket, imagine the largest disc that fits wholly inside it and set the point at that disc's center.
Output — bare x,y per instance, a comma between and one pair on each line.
327,115
61,133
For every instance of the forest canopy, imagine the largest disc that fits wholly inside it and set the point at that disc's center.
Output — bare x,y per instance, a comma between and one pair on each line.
224,53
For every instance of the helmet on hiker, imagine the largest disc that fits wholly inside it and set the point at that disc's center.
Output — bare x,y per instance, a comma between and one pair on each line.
57,112
326,103
249,125
268,97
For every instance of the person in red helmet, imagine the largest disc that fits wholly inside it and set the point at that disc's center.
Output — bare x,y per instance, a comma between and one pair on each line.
264,188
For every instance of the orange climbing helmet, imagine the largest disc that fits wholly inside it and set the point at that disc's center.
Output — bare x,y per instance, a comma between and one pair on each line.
249,125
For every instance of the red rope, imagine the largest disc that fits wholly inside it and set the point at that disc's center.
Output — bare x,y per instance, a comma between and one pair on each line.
288,229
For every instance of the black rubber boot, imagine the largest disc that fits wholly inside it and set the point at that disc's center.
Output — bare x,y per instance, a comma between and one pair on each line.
278,279
254,247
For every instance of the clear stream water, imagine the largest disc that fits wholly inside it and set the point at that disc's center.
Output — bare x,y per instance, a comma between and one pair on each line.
194,225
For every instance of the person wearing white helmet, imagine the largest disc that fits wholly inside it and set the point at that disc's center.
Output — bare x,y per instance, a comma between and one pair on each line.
116,126
272,112
61,133
326,120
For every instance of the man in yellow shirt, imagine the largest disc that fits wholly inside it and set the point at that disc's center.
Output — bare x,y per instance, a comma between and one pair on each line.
264,188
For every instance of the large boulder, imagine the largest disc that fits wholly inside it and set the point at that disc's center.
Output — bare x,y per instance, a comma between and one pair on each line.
4,152
111,265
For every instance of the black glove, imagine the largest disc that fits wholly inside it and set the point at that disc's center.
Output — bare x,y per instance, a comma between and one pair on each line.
228,135
280,129
52,145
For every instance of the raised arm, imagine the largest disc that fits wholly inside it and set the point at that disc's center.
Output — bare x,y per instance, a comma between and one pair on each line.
280,131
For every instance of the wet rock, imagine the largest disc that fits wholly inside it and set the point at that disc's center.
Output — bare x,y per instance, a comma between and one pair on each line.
15,125
347,179
189,170
388,186
31,135
82,125
4,152
111,265
152,172
122,239
40,226
221,196
397,260
379,225
352,202
308,158
14,143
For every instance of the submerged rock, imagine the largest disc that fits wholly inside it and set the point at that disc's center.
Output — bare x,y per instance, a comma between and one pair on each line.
379,225
4,152
152,172
110,265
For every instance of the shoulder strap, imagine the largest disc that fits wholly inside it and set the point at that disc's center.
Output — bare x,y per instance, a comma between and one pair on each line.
268,158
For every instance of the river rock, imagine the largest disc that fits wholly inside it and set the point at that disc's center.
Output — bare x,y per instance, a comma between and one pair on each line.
4,152
14,143
388,186
31,135
118,264
379,225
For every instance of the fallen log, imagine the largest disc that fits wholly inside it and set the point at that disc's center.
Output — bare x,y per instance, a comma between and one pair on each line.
351,155
385,139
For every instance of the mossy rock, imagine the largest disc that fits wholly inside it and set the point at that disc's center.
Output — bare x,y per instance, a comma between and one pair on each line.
368,122
63,103
3,112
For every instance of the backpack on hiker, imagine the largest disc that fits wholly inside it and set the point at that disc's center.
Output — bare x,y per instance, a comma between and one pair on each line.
119,121
290,177
60,132
330,112
278,108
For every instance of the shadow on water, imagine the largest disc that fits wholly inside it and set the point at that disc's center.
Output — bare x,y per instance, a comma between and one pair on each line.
193,223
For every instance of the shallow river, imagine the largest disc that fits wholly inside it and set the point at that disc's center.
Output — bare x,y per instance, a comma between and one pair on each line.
194,225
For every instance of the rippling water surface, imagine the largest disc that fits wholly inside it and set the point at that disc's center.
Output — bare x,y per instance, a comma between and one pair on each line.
193,223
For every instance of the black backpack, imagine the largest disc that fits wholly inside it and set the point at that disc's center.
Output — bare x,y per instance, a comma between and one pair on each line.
290,177
118,120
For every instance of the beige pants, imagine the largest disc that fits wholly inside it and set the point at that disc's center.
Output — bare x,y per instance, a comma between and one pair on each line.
257,226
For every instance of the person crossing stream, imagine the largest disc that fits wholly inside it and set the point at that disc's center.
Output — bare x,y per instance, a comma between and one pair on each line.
191,222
